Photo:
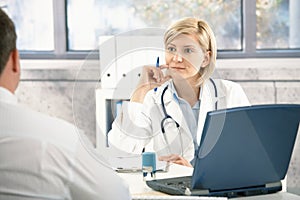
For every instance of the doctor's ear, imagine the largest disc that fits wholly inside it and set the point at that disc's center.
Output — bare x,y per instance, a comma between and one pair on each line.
206,60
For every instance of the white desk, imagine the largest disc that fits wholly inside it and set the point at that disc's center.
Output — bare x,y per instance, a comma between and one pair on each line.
138,187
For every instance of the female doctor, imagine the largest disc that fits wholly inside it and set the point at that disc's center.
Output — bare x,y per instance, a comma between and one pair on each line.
167,111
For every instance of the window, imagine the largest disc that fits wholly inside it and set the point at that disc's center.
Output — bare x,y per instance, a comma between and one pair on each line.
34,23
90,19
277,27
70,28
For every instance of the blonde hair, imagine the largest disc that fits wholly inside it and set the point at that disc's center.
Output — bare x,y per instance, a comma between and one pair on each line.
205,36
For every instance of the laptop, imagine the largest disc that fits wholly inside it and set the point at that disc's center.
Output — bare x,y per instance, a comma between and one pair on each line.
243,151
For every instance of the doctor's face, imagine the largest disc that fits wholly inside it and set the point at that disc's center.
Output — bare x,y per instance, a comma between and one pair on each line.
185,56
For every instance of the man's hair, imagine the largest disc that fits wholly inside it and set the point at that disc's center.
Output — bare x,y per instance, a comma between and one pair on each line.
8,38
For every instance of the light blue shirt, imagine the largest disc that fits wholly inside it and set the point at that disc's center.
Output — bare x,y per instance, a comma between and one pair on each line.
191,114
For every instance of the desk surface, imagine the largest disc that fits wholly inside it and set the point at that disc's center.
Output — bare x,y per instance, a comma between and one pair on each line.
137,185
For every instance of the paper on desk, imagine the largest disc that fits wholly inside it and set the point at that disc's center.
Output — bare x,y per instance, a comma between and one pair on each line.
132,163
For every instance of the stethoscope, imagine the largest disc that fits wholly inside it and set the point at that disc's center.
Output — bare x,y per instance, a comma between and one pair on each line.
167,116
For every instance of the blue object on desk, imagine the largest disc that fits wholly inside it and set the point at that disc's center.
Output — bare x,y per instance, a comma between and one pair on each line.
148,163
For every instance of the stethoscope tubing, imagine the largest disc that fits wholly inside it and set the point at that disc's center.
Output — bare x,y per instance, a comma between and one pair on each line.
167,116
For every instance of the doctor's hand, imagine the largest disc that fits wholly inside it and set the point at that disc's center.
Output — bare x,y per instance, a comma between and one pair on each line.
151,78
175,158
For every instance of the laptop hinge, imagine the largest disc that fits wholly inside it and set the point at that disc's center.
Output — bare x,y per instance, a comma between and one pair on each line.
196,192
274,184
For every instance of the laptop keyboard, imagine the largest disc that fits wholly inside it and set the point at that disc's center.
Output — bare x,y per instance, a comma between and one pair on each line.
179,183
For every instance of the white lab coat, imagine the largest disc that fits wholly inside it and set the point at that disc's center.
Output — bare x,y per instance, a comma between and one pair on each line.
42,157
139,125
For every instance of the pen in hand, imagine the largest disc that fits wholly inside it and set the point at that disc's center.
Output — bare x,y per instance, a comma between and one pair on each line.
157,65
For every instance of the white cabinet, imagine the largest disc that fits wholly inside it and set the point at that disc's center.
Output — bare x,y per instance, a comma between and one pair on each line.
106,107
122,57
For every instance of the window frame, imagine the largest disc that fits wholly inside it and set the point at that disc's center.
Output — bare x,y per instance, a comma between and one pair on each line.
248,14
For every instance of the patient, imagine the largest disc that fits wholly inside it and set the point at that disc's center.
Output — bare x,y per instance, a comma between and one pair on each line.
42,157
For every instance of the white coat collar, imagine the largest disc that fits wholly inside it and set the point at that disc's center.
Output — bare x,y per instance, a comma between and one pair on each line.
7,97
207,93
168,94
208,100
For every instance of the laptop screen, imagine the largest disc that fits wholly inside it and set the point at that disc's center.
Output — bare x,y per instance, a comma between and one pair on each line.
246,146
